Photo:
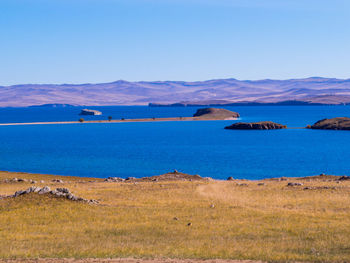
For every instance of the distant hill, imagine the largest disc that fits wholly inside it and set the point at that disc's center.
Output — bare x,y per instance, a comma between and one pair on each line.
212,92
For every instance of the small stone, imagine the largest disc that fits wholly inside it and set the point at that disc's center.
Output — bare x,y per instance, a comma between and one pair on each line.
63,190
294,184
282,179
57,181
34,189
230,178
212,206
261,184
189,224
114,179
20,192
344,178
72,197
130,178
208,178
44,190
175,218
54,192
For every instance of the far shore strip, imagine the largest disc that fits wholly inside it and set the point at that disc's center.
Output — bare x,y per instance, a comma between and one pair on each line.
120,121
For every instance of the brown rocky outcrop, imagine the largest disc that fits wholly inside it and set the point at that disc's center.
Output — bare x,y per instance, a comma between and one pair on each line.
263,125
215,114
339,123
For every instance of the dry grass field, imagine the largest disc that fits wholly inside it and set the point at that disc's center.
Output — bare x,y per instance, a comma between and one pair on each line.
199,219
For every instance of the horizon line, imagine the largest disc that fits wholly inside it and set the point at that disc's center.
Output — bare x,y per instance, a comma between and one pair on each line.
150,81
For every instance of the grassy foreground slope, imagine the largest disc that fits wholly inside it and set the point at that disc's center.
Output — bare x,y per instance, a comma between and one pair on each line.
270,222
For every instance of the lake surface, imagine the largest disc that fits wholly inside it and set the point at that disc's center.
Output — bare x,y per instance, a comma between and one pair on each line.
151,148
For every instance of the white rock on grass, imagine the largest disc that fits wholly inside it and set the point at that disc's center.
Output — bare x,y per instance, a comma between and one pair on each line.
44,190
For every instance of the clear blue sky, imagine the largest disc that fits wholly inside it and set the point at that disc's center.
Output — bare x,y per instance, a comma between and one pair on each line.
79,41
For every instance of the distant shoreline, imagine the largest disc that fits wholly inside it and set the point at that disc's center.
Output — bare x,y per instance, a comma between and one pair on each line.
117,121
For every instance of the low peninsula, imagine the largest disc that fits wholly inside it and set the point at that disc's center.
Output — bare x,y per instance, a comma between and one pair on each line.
263,125
204,114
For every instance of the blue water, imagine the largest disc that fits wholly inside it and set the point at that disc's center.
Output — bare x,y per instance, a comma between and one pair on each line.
199,147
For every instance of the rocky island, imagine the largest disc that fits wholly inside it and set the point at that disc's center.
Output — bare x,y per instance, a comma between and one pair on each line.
263,125
215,114
90,112
339,123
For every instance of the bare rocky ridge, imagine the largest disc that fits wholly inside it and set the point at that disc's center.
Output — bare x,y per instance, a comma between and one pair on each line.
264,125
58,192
214,113
340,123
171,176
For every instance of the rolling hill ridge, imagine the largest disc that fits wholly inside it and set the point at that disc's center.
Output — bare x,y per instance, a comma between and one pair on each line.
315,90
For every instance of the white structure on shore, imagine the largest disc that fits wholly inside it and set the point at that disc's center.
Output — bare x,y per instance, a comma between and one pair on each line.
90,112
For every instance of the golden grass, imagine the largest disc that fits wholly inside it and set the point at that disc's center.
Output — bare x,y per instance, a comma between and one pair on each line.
270,223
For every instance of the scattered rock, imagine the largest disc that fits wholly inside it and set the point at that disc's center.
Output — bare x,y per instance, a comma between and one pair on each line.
175,218
230,178
319,187
294,184
344,178
20,180
130,178
263,125
114,179
261,184
282,179
207,178
242,184
57,181
189,224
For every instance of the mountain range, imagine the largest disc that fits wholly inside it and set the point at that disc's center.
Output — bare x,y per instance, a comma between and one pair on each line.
315,90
